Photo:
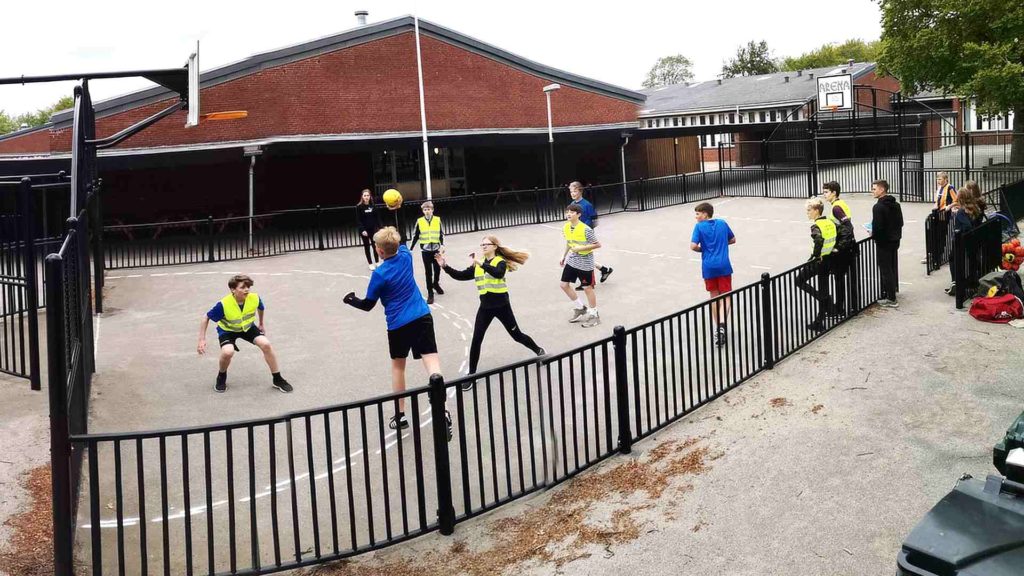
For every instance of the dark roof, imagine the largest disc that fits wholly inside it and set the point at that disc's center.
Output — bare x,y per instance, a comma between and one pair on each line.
354,37
742,91
25,131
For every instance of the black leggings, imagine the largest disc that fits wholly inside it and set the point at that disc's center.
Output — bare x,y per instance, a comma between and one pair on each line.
483,321
432,269
369,247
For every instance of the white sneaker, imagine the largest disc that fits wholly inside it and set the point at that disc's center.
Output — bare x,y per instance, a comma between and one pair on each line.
924,260
372,267
578,315
591,320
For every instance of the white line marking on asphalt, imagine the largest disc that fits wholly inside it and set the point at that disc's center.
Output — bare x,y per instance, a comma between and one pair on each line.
181,274
761,267
907,283
203,273
162,274
114,277
134,276
281,274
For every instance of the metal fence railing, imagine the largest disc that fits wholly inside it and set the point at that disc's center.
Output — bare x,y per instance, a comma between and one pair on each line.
307,487
976,252
999,208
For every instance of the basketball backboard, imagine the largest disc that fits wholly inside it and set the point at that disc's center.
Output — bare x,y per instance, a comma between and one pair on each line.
835,92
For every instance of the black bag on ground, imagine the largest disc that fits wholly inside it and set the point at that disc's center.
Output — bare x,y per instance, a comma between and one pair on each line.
1009,283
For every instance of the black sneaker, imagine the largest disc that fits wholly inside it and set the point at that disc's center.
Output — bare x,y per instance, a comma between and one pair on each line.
720,336
283,385
816,326
430,298
448,424
605,273
467,385
541,352
437,288
398,422
222,382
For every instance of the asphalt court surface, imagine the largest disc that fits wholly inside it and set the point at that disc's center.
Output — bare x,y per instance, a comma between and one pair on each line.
149,375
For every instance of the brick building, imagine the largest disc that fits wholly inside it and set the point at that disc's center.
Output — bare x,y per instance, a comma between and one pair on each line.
338,114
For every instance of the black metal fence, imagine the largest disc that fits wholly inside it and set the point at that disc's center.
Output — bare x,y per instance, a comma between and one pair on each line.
999,207
976,252
307,487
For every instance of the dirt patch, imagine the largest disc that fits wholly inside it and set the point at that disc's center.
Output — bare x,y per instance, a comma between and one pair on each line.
559,531
29,552
817,408
779,403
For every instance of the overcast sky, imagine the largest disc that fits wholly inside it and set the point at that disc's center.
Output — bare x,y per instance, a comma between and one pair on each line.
614,42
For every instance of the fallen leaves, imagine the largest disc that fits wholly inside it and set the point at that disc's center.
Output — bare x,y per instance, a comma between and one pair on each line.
29,552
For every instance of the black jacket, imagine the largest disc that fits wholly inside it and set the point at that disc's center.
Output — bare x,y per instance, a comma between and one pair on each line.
369,221
887,220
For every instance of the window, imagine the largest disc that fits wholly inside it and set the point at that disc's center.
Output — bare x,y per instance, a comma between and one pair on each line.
773,115
732,120
703,141
711,119
762,116
693,120
657,123
675,122
703,120
978,121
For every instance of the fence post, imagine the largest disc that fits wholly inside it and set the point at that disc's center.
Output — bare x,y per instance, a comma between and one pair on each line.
721,175
319,230
28,239
209,238
767,324
764,165
442,465
622,390
536,203
98,262
643,194
60,446
476,221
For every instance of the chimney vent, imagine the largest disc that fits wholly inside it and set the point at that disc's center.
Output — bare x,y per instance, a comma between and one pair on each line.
850,62
719,81
810,75
785,79
799,73
361,17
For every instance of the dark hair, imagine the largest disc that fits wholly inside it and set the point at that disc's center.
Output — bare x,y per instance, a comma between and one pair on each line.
881,184
240,279
706,208
832,186
574,208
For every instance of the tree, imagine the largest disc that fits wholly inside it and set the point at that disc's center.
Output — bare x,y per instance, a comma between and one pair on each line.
834,54
974,50
34,119
753,59
669,70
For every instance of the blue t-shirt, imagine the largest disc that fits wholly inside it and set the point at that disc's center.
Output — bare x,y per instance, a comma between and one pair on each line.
713,237
589,213
392,283
216,314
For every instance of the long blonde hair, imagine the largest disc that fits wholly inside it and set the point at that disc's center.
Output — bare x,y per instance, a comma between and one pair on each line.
514,258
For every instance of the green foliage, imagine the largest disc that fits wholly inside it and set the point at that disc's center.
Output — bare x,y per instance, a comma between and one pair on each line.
834,54
34,119
750,60
669,70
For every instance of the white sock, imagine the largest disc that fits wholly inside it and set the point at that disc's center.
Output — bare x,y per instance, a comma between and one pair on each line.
592,311
580,303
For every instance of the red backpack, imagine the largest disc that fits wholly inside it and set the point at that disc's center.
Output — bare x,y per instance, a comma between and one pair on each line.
1000,309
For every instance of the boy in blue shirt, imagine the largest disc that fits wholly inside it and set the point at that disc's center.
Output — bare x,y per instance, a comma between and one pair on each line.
410,324
712,239
236,315
588,217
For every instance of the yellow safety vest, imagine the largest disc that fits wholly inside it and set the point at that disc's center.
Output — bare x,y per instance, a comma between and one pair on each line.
430,232
828,233
485,283
576,236
239,319
846,210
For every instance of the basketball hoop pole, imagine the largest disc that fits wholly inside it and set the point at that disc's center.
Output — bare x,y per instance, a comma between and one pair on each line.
423,108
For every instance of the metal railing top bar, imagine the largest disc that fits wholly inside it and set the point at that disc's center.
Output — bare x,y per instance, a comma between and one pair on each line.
685,311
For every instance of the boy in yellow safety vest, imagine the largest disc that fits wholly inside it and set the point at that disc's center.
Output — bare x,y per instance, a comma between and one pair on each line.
430,235
823,237
578,264
236,317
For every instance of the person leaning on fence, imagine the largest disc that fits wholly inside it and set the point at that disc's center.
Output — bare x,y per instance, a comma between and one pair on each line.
712,239
410,324
823,239
846,243
578,264
489,273
945,198
886,232
968,214
430,235
236,316
588,217
369,223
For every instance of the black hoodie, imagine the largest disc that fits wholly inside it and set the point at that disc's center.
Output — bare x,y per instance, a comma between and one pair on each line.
887,220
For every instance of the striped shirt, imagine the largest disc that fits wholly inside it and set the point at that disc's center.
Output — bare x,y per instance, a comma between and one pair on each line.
579,261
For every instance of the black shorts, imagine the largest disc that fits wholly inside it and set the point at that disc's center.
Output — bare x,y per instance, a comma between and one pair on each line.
249,336
570,274
417,336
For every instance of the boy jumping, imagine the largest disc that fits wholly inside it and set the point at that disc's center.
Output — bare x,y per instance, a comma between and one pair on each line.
578,264
235,316
712,239
410,324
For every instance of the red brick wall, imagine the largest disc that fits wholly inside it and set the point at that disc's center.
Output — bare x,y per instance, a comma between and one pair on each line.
883,100
38,141
372,88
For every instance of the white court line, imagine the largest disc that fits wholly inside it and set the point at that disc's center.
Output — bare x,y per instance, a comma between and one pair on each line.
202,273
134,276
761,267
181,274
114,277
163,274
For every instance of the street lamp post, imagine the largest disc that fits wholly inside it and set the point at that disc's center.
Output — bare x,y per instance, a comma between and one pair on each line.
551,134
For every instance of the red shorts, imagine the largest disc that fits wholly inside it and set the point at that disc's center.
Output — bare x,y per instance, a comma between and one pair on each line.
722,284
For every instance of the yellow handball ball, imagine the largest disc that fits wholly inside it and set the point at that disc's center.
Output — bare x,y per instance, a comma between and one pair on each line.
393,198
